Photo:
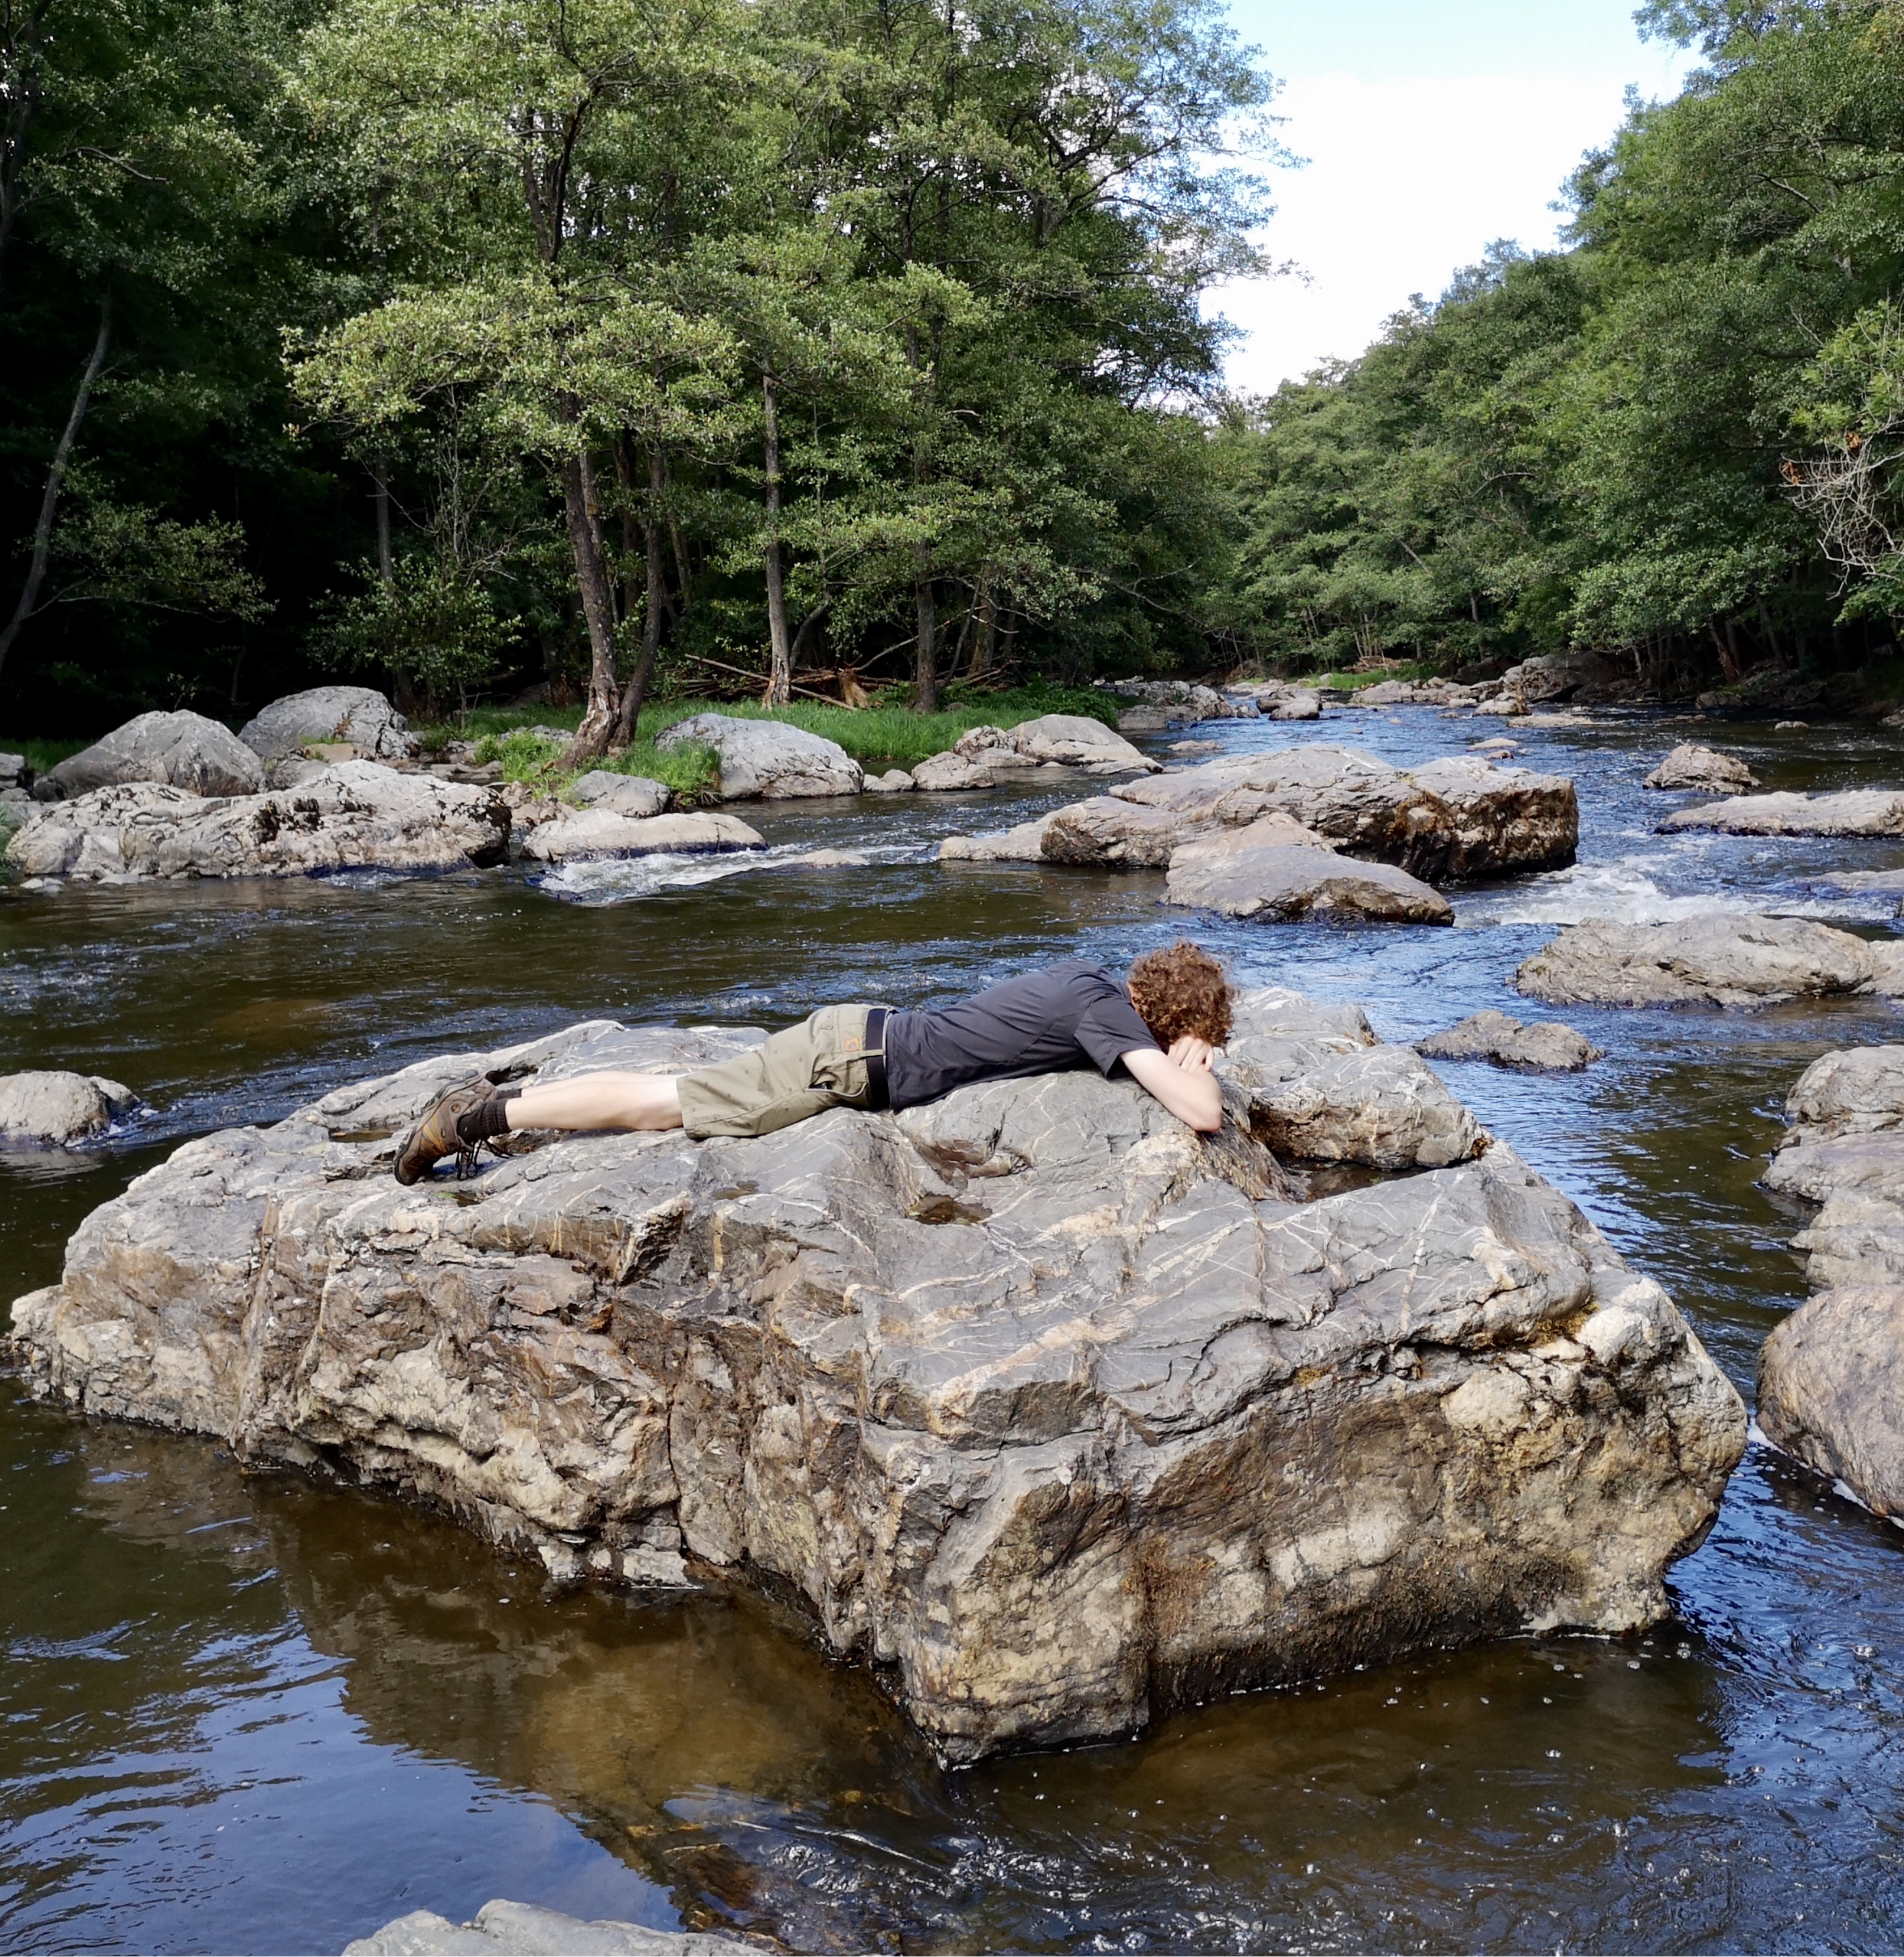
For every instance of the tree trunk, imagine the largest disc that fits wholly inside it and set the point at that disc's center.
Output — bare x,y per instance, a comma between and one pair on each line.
636,690
55,481
780,680
925,655
987,632
597,609
386,565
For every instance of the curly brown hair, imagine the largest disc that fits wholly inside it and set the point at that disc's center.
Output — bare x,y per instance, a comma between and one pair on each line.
1182,991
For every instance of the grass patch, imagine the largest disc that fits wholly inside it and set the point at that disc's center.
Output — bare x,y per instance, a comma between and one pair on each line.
42,755
690,770
1353,682
889,733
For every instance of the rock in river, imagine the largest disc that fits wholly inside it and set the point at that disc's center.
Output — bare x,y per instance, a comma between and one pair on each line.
185,750
501,1929
358,717
582,834
1718,960
1849,812
1690,766
769,761
58,1107
1253,872
1831,1390
1831,1377
356,816
1061,1413
1546,1047
1451,819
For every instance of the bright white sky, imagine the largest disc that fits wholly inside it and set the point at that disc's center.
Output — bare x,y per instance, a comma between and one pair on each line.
1431,127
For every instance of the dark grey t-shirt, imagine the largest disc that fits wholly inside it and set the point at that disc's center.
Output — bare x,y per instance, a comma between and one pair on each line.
1066,1016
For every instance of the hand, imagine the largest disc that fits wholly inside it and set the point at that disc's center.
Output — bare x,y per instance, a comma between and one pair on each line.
1190,1053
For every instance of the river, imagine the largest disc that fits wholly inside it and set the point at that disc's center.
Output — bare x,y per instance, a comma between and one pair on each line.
245,1712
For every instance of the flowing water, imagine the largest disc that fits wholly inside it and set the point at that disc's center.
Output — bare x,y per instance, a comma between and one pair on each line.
243,1712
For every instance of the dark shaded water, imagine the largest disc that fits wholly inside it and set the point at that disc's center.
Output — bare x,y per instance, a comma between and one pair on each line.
247,1712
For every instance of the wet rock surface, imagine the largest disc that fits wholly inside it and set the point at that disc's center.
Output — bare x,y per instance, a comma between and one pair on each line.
1545,1047
1850,812
184,750
357,717
1690,766
57,1106
768,760
502,1929
1722,959
1053,1411
356,816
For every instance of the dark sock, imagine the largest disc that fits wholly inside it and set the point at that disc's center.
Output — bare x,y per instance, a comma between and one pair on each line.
486,1119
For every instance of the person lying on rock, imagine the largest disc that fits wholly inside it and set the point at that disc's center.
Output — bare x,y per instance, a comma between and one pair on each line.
1161,1026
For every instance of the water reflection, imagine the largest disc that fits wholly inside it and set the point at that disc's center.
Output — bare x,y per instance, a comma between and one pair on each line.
255,1712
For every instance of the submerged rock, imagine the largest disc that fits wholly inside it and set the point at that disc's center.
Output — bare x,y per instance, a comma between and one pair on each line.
1850,812
521,1930
355,815
357,717
769,761
1545,1047
185,751
1690,766
57,1107
1719,960
1254,872
1064,1413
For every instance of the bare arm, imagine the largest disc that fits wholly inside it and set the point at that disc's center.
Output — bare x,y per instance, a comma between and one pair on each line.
1181,1080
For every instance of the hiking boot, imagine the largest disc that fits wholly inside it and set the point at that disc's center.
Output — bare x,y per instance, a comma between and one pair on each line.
435,1135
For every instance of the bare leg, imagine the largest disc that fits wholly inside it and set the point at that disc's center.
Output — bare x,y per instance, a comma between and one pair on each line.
599,1101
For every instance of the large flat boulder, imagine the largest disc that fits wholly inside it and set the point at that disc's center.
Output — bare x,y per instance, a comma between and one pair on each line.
1254,872
1690,766
1718,960
357,717
185,751
1850,812
1452,819
769,761
57,1106
585,834
982,756
1063,1415
356,816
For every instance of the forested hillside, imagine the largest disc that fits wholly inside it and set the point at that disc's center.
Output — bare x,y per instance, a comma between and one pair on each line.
1677,442
607,341
635,345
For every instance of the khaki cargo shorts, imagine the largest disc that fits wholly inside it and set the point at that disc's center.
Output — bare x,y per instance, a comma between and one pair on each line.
817,1064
